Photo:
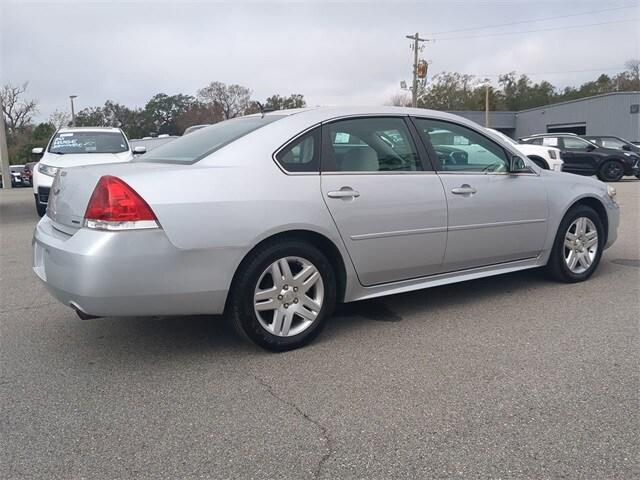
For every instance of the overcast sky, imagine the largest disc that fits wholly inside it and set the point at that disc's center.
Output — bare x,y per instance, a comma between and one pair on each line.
334,53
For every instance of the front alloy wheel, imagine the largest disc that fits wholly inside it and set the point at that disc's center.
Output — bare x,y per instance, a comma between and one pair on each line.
580,245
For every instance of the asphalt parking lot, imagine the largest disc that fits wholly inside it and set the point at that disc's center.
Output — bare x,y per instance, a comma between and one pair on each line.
506,377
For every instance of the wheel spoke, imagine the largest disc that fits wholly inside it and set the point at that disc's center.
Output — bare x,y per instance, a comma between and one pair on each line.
305,273
269,304
311,304
568,243
572,259
278,320
306,314
591,242
581,226
286,325
584,260
276,274
310,281
268,294
286,270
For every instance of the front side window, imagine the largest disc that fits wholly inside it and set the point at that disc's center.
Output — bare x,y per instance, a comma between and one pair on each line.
65,143
377,144
610,142
460,149
301,155
575,143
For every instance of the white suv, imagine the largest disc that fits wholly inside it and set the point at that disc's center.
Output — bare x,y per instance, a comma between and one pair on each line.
545,157
73,147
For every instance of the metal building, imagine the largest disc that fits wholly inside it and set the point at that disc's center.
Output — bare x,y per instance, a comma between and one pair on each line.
616,113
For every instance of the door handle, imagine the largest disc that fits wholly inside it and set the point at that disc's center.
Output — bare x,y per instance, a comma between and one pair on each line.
464,190
344,192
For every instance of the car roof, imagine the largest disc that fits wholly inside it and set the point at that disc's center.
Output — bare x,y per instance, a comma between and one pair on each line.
89,129
557,134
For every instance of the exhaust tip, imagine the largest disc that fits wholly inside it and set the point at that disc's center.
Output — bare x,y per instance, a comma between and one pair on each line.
82,315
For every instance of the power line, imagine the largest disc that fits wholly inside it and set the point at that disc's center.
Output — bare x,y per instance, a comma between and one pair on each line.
534,20
549,73
566,27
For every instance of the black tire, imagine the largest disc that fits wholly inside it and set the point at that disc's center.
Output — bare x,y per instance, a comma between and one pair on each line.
41,208
611,171
539,162
241,304
556,266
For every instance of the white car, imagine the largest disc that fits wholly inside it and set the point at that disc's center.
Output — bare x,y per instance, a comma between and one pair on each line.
77,146
545,157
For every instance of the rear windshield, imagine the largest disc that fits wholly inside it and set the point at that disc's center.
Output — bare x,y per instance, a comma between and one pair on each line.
65,143
197,145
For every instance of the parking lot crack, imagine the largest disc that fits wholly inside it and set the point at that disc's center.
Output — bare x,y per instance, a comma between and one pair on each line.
324,433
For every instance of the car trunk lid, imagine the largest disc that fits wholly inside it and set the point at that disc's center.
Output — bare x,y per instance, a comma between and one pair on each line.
72,188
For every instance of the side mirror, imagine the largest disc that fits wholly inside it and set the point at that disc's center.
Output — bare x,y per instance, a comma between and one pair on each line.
590,147
37,152
626,147
518,165
139,150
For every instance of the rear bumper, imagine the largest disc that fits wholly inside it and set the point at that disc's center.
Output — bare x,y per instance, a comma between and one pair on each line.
135,273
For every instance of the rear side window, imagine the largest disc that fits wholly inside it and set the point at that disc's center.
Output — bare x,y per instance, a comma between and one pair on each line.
302,154
197,145
374,144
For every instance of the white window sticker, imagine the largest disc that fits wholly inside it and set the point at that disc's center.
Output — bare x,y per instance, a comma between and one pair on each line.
342,137
550,141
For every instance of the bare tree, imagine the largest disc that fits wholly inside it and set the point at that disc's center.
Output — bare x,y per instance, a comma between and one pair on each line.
59,118
633,67
400,100
17,110
233,100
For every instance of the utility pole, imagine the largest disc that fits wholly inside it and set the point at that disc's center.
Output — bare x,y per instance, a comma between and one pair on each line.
486,106
416,49
4,154
73,112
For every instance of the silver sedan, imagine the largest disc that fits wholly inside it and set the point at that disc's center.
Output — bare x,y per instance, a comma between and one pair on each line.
272,219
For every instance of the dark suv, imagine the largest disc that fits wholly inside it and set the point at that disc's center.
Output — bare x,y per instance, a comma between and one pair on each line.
586,158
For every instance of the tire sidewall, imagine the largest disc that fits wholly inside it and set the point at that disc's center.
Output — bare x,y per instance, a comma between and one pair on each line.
243,302
40,207
558,253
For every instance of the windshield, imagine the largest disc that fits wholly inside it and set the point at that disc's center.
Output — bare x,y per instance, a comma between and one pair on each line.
197,145
503,136
65,143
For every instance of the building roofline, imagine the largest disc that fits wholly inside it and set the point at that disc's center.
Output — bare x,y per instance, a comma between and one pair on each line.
578,100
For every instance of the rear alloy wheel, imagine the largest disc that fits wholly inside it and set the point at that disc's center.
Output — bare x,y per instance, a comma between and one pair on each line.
611,171
578,245
283,295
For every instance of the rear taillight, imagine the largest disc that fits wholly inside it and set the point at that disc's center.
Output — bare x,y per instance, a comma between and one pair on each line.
114,205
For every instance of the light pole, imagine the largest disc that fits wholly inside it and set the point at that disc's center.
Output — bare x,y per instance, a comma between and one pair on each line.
73,112
4,155
486,105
